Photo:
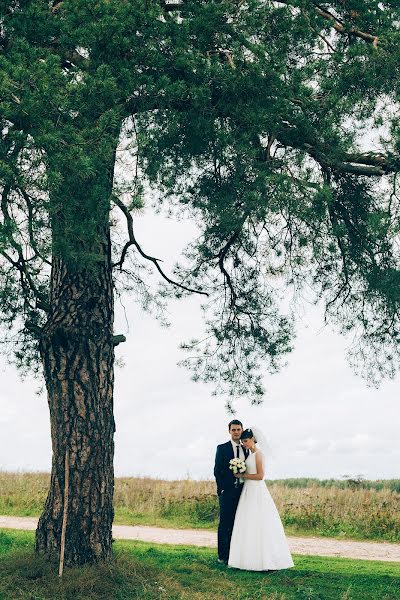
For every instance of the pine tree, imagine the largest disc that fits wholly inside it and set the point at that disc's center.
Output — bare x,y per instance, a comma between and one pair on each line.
274,125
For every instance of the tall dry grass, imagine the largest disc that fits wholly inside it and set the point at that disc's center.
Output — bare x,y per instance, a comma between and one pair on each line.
350,510
23,494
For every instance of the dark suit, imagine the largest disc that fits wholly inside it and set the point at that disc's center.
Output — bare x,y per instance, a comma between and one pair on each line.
228,489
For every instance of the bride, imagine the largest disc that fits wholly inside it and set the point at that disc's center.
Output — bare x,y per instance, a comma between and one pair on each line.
258,540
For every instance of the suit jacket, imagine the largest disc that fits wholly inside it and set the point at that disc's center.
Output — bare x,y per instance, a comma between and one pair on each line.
223,475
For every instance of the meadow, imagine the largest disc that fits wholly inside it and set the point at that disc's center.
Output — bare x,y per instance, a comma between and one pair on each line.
351,509
151,572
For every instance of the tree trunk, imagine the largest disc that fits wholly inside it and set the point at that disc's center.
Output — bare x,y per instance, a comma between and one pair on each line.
78,355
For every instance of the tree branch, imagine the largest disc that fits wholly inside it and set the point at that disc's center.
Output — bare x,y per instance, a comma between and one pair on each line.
345,167
366,163
19,264
341,28
171,6
338,25
345,285
133,242
320,10
26,277
221,257
32,240
34,328
118,339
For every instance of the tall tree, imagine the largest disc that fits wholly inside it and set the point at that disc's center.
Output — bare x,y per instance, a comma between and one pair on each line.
274,125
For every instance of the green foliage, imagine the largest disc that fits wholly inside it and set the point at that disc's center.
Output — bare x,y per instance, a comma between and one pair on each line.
252,118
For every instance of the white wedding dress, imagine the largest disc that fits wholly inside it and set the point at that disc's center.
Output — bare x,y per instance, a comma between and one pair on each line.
258,541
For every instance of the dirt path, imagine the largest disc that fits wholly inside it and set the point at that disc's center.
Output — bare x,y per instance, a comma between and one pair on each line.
197,537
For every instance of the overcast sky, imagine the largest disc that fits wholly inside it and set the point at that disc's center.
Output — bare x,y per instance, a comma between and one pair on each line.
322,420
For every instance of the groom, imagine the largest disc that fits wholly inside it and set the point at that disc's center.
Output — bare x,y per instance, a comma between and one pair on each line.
228,487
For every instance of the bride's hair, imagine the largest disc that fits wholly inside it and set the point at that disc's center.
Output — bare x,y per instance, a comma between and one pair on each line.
247,434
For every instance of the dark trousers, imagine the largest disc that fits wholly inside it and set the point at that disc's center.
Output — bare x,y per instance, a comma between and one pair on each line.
228,502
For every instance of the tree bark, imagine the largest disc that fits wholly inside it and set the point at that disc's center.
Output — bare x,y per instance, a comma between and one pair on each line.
77,352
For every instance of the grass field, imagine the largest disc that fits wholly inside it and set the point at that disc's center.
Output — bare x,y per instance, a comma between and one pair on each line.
150,572
354,510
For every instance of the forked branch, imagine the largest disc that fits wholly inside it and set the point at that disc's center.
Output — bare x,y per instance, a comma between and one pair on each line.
133,242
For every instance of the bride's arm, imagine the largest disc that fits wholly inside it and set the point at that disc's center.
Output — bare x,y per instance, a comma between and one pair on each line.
260,469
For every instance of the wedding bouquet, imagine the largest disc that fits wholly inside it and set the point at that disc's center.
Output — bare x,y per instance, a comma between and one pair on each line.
237,465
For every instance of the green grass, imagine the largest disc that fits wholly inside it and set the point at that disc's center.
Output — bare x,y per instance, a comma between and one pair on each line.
148,571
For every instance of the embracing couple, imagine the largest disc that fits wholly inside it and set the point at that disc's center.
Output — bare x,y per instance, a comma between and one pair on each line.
250,532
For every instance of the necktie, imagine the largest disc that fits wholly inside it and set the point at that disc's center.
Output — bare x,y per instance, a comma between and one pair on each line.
237,451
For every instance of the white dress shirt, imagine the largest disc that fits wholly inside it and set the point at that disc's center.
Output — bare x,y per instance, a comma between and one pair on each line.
241,453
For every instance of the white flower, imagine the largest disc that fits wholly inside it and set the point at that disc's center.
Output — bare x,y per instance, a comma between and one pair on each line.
237,465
